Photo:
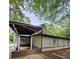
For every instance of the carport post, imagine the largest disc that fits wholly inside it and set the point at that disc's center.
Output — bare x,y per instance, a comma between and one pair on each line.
18,42
16,38
31,43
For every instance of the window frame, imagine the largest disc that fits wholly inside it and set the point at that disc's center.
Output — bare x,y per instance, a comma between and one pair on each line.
55,41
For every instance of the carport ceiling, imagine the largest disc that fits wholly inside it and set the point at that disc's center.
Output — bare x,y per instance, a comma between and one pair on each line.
22,28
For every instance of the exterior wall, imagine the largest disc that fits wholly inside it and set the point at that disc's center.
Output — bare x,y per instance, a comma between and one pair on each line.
24,41
68,42
37,41
62,42
54,48
47,43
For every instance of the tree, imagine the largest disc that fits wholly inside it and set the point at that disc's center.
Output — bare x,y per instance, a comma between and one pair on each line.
46,9
15,12
11,37
61,28
57,31
27,20
50,9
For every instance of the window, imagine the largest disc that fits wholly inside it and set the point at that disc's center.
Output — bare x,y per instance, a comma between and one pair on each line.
55,42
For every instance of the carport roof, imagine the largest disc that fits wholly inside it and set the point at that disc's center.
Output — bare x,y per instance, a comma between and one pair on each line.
22,28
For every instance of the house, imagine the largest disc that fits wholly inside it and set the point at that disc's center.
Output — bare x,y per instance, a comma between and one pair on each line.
31,36
47,42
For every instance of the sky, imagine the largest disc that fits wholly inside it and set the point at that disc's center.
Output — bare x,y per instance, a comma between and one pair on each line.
34,20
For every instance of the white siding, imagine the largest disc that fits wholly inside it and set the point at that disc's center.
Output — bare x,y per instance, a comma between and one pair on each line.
54,48
47,44
37,41
60,42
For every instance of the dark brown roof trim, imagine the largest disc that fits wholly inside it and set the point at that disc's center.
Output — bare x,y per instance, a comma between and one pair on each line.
51,36
18,23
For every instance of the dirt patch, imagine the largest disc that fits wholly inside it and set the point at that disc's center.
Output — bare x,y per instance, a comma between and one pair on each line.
63,53
33,56
58,54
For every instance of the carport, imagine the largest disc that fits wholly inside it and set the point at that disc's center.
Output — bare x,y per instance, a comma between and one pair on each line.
22,29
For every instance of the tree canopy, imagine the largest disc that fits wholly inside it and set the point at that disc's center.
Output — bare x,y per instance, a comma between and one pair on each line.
46,9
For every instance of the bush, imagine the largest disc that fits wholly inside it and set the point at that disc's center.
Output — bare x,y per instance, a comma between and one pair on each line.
11,37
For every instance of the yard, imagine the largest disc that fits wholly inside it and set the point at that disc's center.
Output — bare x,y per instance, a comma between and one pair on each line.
59,54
